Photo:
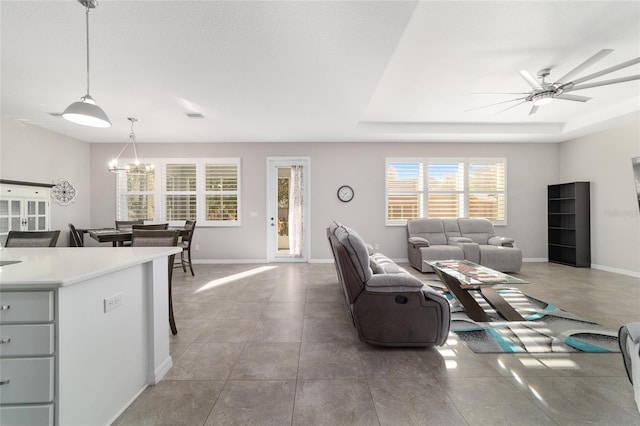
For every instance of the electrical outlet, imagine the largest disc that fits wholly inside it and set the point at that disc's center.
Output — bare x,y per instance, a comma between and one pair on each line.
377,246
112,302
197,247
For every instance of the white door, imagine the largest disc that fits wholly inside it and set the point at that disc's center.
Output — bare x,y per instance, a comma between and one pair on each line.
288,207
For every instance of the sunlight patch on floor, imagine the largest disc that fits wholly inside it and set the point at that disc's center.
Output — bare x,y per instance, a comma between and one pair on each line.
234,277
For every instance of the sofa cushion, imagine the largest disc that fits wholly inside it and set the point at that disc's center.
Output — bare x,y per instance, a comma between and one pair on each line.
381,264
393,283
431,230
357,249
479,230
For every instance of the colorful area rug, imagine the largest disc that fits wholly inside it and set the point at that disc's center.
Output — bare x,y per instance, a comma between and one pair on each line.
547,329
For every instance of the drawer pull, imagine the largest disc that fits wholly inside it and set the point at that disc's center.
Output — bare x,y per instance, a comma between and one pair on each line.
5,307
5,382
3,341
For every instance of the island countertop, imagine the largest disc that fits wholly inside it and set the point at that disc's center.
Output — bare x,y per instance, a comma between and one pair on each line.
50,268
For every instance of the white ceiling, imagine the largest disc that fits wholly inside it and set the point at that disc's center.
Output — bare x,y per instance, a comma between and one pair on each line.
315,70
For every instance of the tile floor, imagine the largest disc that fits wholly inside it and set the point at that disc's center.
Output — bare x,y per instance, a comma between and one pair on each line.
273,344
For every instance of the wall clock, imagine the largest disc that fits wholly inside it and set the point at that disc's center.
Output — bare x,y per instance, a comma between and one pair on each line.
63,192
345,193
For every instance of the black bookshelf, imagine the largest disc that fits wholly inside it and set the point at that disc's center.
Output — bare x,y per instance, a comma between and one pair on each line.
568,224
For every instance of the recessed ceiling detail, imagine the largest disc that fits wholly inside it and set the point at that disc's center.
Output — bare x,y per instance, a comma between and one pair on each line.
273,71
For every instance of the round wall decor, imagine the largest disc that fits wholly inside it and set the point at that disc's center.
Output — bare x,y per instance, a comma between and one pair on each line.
63,192
345,193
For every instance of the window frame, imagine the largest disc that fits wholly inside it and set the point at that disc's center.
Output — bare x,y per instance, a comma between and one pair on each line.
465,192
160,191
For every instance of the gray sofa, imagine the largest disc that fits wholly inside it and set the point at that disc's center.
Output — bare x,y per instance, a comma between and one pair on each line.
471,239
388,305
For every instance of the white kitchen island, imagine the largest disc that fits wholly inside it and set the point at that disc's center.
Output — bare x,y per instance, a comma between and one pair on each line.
83,331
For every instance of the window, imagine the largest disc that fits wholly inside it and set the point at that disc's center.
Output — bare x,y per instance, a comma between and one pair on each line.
445,188
206,190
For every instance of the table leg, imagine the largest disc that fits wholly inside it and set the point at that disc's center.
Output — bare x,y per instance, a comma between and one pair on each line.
471,307
501,306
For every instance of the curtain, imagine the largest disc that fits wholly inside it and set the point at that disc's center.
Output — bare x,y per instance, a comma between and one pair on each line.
296,203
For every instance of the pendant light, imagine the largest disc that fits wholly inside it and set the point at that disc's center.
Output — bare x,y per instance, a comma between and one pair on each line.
130,169
85,111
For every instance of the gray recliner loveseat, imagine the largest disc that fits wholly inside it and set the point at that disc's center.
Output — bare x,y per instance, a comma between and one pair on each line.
388,305
471,239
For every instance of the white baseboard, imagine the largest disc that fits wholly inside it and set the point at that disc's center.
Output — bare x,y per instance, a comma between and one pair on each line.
535,259
616,270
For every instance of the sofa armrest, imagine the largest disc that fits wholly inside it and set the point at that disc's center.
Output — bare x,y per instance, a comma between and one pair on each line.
501,241
419,242
389,283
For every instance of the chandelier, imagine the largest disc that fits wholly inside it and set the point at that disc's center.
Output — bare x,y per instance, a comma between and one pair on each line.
137,168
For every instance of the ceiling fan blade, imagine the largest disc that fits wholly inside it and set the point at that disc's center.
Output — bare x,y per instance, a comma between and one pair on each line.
533,110
586,64
604,83
497,103
530,79
505,93
506,109
576,98
607,71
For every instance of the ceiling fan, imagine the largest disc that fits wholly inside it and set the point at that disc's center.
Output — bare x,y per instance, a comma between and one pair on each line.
544,92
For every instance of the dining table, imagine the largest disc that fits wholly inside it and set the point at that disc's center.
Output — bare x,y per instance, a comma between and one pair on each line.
119,236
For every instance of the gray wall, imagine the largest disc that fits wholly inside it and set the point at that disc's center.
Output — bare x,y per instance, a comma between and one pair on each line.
29,153
530,168
604,159
33,154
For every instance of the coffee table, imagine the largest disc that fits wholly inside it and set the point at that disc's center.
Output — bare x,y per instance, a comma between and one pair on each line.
461,276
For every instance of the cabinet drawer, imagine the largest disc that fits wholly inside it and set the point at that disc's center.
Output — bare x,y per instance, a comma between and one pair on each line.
26,306
26,339
33,415
30,380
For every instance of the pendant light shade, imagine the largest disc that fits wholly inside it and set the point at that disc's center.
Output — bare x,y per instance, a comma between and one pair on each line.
85,111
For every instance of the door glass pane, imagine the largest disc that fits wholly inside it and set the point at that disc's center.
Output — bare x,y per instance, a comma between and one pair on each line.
15,224
42,222
31,207
4,224
41,207
31,224
15,208
4,207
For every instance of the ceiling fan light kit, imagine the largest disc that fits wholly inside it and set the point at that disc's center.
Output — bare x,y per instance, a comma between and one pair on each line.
86,111
543,93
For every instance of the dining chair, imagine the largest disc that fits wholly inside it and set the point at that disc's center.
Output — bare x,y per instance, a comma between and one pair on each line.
185,243
75,236
154,227
32,238
127,224
159,238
